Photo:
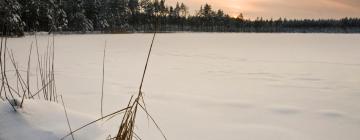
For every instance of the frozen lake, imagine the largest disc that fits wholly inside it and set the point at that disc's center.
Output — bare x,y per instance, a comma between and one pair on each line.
213,86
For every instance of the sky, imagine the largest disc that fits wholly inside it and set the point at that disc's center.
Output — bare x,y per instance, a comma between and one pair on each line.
299,9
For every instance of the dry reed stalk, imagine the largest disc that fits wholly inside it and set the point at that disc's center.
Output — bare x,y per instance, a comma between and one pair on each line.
28,70
53,69
5,83
4,72
2,83
27,78
67,118
11,88
45,68
46,71
17,73
136,136
36,93
37,79
103,80
83,126
126,130
40,67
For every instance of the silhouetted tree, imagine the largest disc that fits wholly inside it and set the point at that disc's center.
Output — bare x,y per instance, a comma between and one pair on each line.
18,16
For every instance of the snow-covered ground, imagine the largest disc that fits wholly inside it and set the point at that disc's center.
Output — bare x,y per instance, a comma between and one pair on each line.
41,120
214,86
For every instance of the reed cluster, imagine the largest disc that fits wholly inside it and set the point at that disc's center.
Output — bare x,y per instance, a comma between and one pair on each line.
18,84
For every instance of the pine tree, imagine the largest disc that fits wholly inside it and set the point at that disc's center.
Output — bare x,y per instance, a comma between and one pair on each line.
77,19
102,23
61,19
11,21
207,12
118,14
93,9
177,10
183,10
156,7
29,14
134,8
147,7
163,9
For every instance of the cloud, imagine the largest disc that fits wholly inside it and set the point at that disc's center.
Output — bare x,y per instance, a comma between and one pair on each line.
305,8
350,3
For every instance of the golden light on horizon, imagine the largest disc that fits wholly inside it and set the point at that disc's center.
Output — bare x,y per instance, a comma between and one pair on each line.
280,8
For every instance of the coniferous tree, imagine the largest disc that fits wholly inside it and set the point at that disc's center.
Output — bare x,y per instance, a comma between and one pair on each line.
177,10
118,15
156,7
18,16
92,9
77,18
134,8
163,9
29,14
184,11
60,17
147,7
46,20
11,21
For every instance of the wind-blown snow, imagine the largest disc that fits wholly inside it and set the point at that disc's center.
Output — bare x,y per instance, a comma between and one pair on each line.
216,86
41,120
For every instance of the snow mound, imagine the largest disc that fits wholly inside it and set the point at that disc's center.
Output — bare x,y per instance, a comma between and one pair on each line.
42,120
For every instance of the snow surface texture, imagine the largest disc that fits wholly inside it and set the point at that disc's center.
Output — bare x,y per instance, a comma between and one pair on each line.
41,120
215,86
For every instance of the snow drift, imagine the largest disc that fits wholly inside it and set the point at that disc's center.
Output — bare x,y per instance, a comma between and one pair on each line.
43,120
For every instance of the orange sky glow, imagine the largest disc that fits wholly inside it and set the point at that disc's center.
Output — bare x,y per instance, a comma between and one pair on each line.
299,9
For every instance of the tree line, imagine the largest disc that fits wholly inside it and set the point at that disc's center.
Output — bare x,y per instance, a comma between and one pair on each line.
118,16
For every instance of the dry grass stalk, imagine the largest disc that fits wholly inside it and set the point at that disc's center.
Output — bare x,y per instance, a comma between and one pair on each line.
126,130
103,80
45,68
27,78
5,86
67,118
101,118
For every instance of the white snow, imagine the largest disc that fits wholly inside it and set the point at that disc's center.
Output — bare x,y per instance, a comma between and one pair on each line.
208,85
42,120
